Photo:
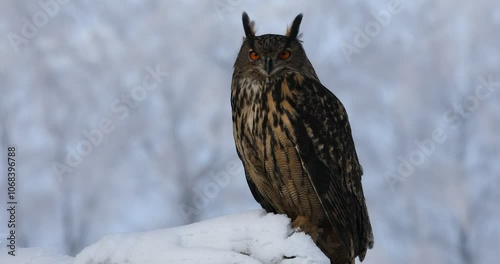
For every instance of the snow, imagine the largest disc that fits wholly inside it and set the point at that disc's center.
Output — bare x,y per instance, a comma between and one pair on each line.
248,238
33,256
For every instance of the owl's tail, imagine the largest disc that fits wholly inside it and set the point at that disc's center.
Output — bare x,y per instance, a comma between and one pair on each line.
330,243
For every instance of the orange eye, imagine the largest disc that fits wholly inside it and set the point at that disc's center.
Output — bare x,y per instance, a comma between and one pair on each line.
285,55
254,55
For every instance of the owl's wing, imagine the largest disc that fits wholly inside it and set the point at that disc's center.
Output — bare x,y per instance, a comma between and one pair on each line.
328,154
265,203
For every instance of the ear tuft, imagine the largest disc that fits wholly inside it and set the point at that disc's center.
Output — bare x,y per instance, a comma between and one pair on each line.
293,31
248,26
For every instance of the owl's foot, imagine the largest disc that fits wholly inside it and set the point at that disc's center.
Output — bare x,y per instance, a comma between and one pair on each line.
302,224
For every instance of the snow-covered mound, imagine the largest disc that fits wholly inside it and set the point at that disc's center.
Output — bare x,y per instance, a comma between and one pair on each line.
33,256
252,237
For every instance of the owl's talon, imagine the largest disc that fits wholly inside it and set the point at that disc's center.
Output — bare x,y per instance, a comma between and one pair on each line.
297,229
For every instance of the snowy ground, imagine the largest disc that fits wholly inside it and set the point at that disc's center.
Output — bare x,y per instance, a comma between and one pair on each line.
250,238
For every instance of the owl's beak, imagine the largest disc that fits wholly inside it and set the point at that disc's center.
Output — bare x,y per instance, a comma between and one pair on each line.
268,65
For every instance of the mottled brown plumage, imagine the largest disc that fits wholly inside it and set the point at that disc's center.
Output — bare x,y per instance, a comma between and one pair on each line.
294,139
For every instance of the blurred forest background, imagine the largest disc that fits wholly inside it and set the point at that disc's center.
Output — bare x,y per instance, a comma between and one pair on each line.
420,81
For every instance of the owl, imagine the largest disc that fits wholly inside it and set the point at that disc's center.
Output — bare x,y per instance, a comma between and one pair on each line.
294,139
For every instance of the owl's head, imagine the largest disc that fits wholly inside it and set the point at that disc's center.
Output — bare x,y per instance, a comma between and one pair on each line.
271,55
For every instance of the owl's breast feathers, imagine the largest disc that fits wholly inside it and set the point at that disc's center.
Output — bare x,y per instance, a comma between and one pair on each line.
265,116
294,139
